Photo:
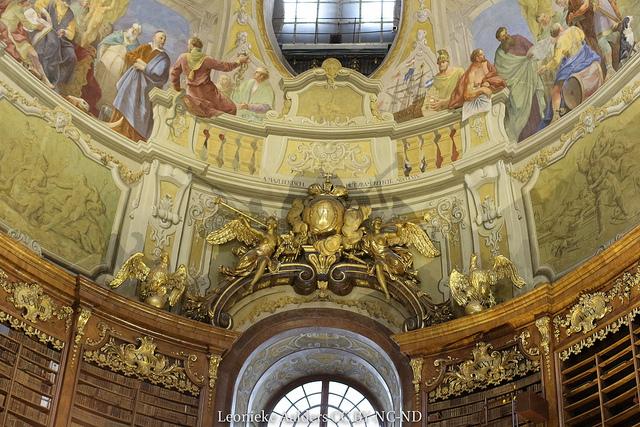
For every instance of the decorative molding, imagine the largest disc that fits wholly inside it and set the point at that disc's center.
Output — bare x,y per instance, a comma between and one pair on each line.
529,350
416,367
34,304
539,161
26,240
372,308
128,176
447,216
544,328
142,362
485,369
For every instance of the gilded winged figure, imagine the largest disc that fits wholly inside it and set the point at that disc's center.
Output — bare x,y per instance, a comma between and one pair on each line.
474,291
390,258
156,285
255,257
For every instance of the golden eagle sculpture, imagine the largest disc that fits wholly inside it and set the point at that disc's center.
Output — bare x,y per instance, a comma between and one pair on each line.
474,291
156,285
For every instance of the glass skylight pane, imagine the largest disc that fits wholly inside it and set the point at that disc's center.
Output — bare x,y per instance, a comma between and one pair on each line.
387,10
307,12
314,387
354,395
289,12
282,406
337,388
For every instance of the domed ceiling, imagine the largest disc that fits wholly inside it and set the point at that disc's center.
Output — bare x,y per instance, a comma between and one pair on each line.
518,154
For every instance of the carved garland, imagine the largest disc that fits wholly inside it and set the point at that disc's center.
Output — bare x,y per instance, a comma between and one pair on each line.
487,368
35,306
142,362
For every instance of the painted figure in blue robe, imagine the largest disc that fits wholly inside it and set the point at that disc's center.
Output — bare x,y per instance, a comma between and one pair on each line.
148,68
55,49
571,54
110,60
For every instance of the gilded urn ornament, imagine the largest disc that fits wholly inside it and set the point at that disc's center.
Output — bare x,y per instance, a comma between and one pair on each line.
474,291
156,286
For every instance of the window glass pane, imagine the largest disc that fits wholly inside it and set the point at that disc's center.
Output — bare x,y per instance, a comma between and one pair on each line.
289,12
337,388
354,395
335,400
283,406
295,394
350,11
328,11
307,12
315,399
387,11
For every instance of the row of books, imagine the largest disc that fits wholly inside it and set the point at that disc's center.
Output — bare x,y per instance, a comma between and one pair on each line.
105,396
35,345
168,394
145,421
169,404
165,414
84,418
99,406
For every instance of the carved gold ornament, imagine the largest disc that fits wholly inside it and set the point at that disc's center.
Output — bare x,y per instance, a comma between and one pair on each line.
214,364
583,315
83,318
544,328
331,67
157,286
416,367
142,362
485,369
34,303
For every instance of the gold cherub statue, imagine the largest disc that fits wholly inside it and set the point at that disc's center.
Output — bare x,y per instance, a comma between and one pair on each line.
156,285
474,291
389,257
261,245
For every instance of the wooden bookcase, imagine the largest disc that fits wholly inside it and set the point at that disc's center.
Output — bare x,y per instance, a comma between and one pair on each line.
29,379
106,398
493,407
601,385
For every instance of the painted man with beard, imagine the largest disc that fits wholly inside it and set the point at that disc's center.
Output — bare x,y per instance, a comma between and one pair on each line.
475,87
526,103
148,67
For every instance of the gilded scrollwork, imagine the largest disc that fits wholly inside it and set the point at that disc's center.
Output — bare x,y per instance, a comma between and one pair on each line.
539,161
529,350
33,302
486,368
599,335
590,308
143,362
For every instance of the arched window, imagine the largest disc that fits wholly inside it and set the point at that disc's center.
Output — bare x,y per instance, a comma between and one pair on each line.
324,403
